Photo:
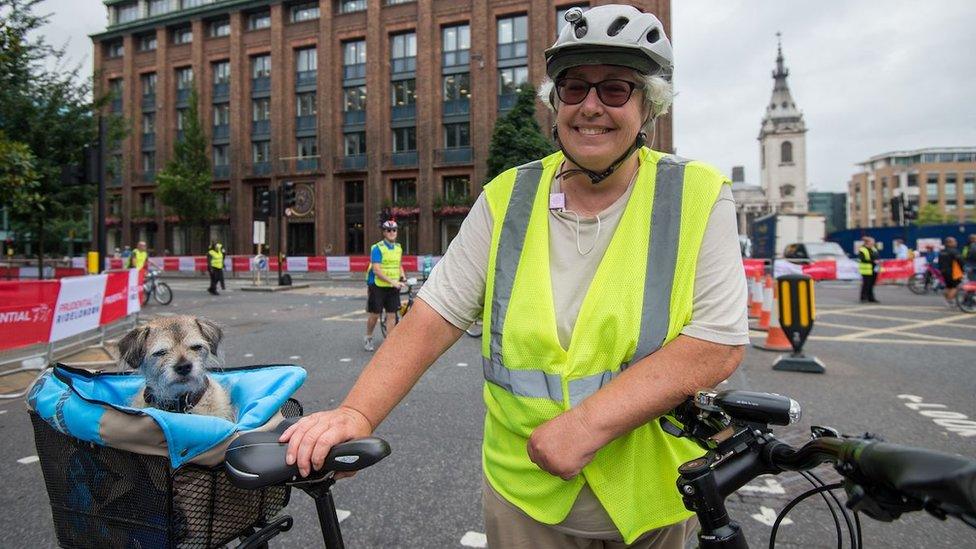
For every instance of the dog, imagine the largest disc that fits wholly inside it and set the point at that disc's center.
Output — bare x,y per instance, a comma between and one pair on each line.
175,354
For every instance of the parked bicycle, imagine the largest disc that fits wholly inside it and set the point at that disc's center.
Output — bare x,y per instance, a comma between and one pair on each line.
930,280
881,480
156,289
407,290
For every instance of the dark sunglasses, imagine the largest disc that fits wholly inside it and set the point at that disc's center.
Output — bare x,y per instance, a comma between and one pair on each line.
612,92
389,230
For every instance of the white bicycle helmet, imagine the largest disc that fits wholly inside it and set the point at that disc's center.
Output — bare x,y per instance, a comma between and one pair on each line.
389,224
612,34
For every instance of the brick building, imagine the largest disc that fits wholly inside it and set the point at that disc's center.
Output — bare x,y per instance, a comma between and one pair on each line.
283,90
943,176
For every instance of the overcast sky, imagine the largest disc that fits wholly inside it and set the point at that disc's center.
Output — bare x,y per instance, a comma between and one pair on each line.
870,76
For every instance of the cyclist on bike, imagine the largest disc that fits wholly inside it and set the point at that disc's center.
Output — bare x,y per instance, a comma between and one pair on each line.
950,264
969,258
611,285
383,281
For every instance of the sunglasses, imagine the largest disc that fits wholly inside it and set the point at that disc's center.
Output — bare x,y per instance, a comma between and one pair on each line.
612,92
389,230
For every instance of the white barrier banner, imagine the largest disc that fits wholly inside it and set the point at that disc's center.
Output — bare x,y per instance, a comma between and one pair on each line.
134,304
228,264
297,264
79,306
337,263
187,264
782,267
848,269
920,264
79,263
156,263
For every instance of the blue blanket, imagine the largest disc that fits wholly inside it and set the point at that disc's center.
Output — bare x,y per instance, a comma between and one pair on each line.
74,402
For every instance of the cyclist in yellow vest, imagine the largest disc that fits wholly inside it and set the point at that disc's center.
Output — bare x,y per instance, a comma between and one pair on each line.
383,281
215,265
609,280
139,256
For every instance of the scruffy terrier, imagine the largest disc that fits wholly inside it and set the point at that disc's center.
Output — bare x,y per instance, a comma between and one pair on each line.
175,354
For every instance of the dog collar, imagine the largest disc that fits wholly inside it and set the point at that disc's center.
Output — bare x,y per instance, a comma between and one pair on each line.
181,405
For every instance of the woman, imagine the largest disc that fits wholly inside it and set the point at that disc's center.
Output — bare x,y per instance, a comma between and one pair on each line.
610,277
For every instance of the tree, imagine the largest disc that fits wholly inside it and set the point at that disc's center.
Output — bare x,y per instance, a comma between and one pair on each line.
184,184
929,214
517,138
18,180
49,111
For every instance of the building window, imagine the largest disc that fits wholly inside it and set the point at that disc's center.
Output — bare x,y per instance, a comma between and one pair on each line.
404,92
194,3
969,189
306,65
147,203
457,135
260,152
913,180
354,143
261,109
259,20
308,147
148,82
304,12
354,99
350,6
403,52
786,190
148,123
184,78
221,72
147,42
456,189
305,104
786,153
457,86
513,37
183,35
149,162
218,28
561,16
404,139
181,118
220,157
116,89
932,187
221,114
950,190
115,48
404,191
159,7
354,59
509,81
126,13
456,44
261,66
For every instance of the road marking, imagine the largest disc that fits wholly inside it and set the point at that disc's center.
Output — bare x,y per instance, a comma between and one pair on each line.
345,317
28,459
767,516
843,339
474,539
294,357
772,487
956,422
901,328
248,355
345,360
906,334
342,514
2,412
462,364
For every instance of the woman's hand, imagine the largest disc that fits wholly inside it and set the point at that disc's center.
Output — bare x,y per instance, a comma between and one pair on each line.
310,439
563,445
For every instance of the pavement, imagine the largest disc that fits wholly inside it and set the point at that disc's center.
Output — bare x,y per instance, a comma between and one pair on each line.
889,366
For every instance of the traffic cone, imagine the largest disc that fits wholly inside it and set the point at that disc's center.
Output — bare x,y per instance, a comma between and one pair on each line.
776,339
767,305
755,298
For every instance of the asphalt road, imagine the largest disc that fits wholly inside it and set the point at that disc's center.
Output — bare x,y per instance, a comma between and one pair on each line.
887,365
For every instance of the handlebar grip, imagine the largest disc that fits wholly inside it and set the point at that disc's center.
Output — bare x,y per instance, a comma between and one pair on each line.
947,478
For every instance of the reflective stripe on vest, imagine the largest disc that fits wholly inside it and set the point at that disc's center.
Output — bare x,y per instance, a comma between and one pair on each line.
655,316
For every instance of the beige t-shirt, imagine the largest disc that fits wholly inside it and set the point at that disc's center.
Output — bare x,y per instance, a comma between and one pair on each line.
456,290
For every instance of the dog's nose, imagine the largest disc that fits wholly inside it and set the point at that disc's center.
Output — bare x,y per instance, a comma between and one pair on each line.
183,368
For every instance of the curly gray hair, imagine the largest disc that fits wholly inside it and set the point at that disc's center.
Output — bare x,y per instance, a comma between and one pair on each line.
658,94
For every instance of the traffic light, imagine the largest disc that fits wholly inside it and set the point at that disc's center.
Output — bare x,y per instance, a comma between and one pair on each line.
288,194
897,210
266,203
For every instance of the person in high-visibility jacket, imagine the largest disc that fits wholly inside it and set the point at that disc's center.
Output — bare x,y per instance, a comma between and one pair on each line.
383,281
609,280
868,265
139,257
215,265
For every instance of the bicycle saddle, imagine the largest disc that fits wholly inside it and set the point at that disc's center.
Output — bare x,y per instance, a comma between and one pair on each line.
256,459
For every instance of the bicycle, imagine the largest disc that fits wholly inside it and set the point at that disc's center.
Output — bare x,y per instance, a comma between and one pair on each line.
404,307
158,290
929,280
966,296
881,480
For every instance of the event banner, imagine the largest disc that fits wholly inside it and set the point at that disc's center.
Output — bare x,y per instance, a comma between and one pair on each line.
26,309
79,306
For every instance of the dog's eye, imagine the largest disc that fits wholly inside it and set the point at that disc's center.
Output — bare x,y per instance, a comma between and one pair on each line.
159,353
196,348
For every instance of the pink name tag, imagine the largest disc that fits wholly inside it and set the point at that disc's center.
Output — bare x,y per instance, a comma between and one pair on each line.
557,201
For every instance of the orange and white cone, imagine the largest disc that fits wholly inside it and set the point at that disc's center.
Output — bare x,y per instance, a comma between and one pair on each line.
755,298
776,339
767,305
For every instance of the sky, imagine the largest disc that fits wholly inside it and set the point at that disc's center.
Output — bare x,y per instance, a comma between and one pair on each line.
870,76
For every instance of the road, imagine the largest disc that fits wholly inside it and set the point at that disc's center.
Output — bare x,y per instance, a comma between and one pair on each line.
888,367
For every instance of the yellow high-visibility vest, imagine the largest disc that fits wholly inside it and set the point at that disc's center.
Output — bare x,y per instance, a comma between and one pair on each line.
390,264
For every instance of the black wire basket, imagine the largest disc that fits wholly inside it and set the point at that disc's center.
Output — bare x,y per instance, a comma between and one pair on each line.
102,497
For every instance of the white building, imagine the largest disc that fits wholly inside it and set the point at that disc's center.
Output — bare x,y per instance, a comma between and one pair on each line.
782,147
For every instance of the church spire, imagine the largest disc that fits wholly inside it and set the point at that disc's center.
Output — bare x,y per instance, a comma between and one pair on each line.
781,72
782,113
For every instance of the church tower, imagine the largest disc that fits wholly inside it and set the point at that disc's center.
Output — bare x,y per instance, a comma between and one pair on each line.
782,146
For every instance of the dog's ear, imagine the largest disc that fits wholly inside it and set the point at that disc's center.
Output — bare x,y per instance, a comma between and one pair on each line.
211,332
132,347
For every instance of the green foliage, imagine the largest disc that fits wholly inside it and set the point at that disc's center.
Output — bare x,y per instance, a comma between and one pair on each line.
49,111
929,214
517,138
184,184
18,180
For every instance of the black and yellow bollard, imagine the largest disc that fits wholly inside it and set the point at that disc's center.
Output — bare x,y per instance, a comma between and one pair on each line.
797,310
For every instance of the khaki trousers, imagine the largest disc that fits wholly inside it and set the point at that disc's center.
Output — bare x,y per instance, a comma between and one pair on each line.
507,527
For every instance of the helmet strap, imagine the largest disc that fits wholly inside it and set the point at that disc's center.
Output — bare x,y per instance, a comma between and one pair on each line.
596,177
